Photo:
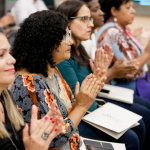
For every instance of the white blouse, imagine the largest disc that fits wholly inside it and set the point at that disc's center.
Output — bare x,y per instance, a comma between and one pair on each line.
23,8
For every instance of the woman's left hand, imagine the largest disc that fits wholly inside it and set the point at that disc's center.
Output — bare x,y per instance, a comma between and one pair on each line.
108,51
103,58
49,124
34,121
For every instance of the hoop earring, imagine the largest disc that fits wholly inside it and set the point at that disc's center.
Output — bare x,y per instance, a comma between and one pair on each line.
115,19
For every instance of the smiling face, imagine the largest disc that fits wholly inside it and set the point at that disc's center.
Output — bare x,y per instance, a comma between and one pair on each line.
81,31
63,52
7,71
125,15
96,13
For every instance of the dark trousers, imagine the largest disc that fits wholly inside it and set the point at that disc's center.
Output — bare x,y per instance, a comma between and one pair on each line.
137,138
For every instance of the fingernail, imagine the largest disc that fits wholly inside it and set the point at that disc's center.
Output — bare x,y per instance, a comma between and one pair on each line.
56,108
46,118
51,118
25,125
60,125
56,130
53,121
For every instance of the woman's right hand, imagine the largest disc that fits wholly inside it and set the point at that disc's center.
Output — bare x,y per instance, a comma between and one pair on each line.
90,87
49,124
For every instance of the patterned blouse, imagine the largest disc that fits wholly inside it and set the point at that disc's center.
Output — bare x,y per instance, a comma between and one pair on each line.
123,43
35,89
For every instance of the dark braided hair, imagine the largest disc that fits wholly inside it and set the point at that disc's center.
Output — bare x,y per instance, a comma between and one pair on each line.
39,35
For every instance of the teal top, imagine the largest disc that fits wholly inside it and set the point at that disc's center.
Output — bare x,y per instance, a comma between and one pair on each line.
72,72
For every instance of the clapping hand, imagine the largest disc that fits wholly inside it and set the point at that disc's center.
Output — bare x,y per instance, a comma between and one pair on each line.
141,32
108,51
42,131
103,58
122,69
89,89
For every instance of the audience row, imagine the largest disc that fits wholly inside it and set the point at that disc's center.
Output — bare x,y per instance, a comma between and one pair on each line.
58,64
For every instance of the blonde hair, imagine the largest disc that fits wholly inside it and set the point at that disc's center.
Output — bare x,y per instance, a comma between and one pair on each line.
13,115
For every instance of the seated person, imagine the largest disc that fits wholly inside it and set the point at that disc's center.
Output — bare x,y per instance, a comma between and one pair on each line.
78,67
42,43
4,23
119,14
6,20
13,132
23,8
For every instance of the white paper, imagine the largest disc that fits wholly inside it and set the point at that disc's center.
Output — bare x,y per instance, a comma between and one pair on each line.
118,93
113,117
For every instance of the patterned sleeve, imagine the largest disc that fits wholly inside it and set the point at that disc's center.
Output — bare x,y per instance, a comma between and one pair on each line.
27,87
71,94
120,47
117,41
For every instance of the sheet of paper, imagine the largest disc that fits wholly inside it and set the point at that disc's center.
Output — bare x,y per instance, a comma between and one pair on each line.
113,117
117,93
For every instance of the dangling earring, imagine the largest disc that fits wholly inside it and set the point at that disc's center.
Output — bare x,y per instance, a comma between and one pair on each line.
115,19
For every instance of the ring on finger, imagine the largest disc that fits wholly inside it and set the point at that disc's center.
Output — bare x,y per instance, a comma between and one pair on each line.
45,135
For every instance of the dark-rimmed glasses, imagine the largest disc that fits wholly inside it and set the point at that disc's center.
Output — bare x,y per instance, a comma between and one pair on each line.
85,19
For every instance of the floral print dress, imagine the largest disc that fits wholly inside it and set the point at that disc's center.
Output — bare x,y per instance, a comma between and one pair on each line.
28,90
123,43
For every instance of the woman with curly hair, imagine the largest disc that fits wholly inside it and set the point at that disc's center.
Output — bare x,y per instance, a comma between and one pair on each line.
78,67
13,133
42,42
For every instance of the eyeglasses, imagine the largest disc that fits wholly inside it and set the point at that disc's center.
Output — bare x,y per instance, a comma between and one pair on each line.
67,37
85,19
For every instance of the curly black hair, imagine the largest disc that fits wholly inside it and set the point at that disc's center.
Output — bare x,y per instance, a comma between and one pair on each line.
39,35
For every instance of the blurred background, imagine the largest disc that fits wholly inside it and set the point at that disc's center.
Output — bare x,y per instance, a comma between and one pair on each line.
142,18
142,7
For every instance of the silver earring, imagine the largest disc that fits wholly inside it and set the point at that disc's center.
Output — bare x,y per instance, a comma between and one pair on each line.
115,19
